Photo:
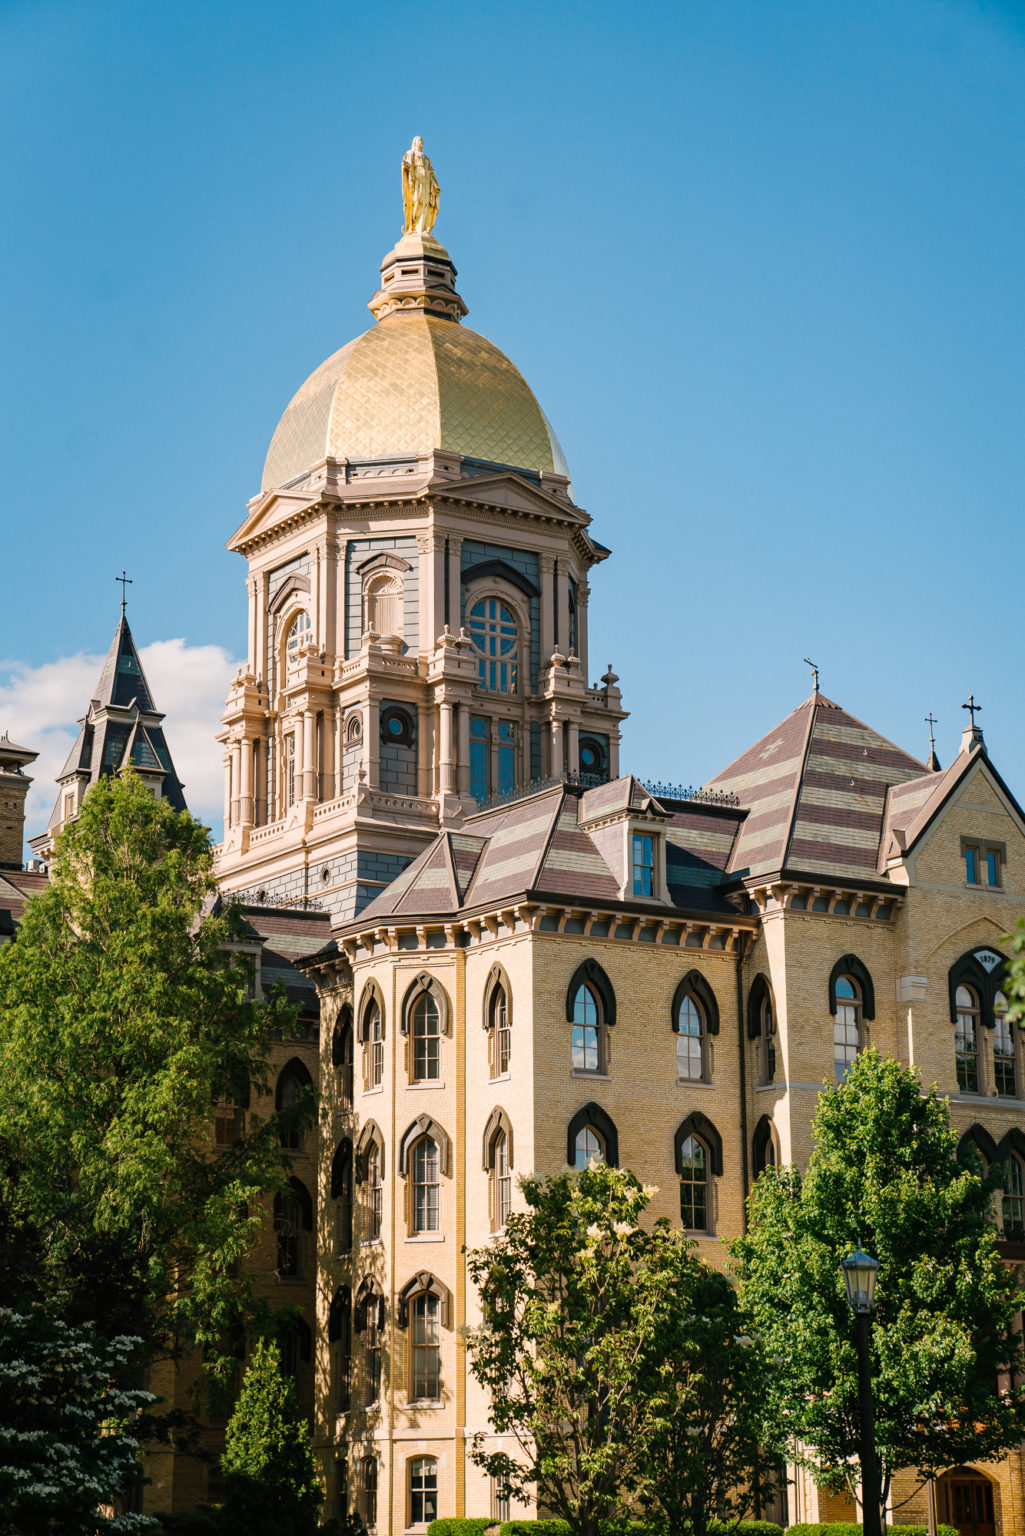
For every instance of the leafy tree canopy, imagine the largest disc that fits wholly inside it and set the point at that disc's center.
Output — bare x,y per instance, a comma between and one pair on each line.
590,1323
270,1483
125,1012
884,1169
67,1451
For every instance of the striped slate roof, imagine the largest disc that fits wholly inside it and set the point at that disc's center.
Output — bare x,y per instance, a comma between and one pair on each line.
541,845
815,790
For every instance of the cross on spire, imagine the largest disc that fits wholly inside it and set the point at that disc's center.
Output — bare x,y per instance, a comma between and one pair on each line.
972,708
931,721
814,673
126,581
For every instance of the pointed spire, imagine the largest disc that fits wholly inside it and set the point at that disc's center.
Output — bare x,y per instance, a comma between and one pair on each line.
122,680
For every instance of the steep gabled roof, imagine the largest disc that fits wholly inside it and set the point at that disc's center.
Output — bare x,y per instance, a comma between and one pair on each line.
815,790
912,807
122,680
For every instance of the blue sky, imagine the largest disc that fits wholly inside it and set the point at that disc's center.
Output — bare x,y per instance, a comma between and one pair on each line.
761,261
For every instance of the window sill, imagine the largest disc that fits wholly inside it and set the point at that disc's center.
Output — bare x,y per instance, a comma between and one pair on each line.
425,1237
503,1077
371,1242
378,1088
770,1087
694,1082
430,1082
290,1280
601,1077
425,1402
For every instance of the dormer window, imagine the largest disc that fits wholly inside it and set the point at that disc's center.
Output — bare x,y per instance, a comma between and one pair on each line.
643,863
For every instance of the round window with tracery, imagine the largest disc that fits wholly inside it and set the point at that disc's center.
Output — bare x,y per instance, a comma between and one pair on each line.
493,632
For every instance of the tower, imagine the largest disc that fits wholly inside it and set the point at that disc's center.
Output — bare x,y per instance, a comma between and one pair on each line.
14,786
417,576
122,726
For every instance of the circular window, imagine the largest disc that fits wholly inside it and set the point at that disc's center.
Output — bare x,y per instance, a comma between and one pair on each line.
325,874
593,756
396,728
261,897
354,729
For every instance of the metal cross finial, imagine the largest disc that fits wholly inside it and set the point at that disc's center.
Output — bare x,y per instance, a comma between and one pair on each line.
126,581
814,674
972,708
931,721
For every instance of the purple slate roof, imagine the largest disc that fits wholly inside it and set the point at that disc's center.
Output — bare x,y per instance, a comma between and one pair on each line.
815,789
539,844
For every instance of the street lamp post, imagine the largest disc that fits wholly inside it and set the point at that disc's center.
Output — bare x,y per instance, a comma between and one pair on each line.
859,1272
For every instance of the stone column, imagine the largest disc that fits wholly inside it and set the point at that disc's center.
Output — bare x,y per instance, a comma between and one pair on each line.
547,572
260,657
455,586
557,764
372,742
227,790
236,759
297,760
254,623
573,765
309,759
562,602
583,593
445,782
245,808
464,749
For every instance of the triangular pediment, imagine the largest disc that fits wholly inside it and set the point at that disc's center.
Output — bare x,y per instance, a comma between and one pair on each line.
270,509
512,492
909,825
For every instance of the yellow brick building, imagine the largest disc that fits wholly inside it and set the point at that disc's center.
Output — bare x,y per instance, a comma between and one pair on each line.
534,958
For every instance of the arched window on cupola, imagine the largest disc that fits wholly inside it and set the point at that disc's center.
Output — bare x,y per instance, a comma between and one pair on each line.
299,635
493,633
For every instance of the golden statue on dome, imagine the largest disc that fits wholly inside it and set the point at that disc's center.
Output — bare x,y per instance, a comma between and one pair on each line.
420,190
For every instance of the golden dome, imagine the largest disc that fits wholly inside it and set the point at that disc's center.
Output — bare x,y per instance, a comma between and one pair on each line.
413,383
409,385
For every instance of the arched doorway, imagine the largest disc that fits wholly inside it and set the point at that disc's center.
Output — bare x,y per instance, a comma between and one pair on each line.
966,1501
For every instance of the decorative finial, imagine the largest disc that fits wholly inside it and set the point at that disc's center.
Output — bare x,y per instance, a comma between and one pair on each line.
814,674
934,762
420,191
972,708
126,581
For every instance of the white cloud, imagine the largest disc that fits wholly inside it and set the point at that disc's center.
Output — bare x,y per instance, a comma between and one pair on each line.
40,707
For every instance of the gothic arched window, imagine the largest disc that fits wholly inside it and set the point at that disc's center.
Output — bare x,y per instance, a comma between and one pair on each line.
691,1040
966,1038
694,1201
341,1191
426,1192
499,1032
588,1148
846,1026
425,1022
1013,1204
586,1037
493,632
1005,1076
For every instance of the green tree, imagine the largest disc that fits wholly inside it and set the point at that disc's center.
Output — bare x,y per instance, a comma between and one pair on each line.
1014,989
884,1169
270,1480
125,1012
711,1452
67,1451
589,1325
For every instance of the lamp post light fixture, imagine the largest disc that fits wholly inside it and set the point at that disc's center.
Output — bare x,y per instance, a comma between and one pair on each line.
859,1272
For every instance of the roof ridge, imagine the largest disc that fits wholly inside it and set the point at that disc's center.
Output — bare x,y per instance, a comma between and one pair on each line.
799,778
